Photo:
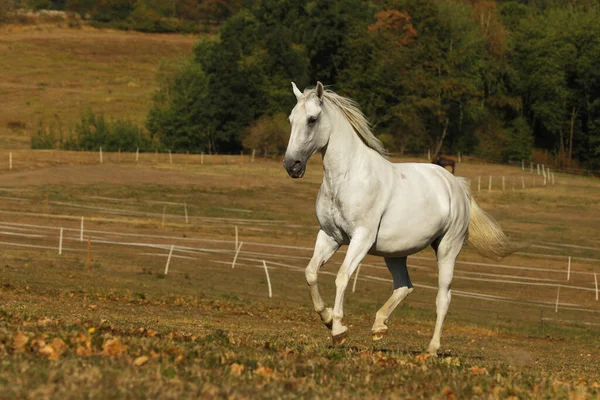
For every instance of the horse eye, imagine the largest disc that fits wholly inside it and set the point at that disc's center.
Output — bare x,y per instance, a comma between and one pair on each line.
312,120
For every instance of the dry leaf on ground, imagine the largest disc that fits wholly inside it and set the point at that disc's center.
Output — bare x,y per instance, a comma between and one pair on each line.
113,347
236,369
141,360
479,371
264,372
20,340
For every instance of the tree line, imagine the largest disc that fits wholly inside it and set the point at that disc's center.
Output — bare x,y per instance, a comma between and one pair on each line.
490,78
162,16
480,77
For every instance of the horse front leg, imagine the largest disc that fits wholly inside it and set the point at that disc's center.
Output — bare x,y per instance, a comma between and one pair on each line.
325,247
357,250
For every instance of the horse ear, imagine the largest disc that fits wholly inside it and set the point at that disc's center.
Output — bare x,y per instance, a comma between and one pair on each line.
320,90
297,92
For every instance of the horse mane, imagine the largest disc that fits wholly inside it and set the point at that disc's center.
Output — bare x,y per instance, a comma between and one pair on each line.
350,109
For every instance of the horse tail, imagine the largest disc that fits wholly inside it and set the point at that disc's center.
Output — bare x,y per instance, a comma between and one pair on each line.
485,234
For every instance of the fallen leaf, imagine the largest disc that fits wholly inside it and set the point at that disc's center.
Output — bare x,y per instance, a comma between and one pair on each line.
44,321
448,393
59,345
236,369
113,347
479,371
421,358
264,372
83,351
53,350
20,340
141,360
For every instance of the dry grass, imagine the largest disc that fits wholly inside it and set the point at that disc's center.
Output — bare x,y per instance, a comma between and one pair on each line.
123,329
52,74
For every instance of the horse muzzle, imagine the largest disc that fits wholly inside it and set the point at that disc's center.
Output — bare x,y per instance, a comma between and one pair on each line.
294,168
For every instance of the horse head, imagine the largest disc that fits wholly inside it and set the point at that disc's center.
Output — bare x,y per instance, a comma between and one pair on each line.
309,130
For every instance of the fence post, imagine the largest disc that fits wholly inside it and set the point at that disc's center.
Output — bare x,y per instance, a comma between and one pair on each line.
169,259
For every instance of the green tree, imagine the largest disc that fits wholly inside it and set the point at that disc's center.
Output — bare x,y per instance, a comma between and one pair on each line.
179,116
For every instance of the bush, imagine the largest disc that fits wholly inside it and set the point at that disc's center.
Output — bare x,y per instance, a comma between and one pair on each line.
268,134
94,131
43,138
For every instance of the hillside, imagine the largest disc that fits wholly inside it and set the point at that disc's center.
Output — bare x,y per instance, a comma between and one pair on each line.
53,74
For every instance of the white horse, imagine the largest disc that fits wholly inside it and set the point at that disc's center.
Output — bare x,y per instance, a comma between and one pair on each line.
380,208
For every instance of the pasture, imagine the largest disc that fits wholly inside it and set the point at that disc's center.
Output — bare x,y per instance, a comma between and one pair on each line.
52,75
103,320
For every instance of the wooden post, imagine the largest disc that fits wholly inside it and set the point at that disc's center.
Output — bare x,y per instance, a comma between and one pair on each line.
268,279
503,184
538,169
100,155
202,158
490,184
479,183
236,237
522,165
10,161
169,259
137,154
253,153
186,214
60,242
163,217
81,231
596,282
544,174
429,154
557,294
459,159
89,254
569,269
236,255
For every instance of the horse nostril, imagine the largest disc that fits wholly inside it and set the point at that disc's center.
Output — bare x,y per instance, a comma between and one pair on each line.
297,166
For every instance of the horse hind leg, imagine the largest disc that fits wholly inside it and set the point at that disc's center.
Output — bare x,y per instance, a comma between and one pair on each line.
402,288
447,251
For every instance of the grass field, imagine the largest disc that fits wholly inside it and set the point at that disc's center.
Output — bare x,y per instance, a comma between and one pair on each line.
115,326
52,75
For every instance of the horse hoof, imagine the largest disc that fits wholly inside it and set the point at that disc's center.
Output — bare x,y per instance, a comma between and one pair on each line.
340,339
380,334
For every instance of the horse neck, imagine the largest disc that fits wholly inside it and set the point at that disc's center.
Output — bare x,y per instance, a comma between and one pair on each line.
343,151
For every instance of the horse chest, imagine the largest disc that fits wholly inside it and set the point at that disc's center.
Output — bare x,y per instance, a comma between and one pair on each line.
338,218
